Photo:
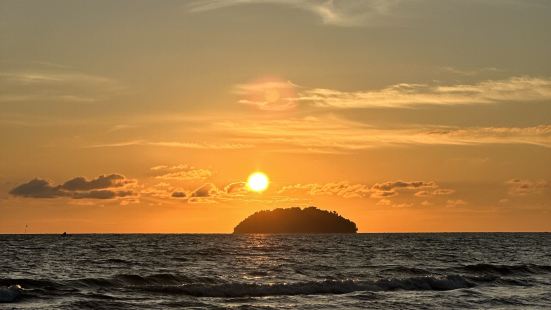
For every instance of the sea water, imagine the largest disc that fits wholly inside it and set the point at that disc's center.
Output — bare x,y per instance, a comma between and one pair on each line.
377,271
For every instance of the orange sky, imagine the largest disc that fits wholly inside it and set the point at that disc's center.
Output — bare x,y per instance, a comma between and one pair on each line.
140,116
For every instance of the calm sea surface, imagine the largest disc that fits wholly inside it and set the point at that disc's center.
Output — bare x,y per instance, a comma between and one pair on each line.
385,271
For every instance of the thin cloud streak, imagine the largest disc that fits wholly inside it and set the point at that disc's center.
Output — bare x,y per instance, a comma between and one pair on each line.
56,86
515,89
186,145
335,13
181,173
331,134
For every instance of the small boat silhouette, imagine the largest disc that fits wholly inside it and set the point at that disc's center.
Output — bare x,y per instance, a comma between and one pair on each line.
64,234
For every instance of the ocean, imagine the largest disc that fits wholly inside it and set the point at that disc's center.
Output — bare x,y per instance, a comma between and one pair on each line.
347,271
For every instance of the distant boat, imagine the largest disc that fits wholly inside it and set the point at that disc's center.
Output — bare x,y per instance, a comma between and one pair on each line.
64,234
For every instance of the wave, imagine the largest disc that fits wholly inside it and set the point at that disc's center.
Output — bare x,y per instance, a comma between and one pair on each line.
506,270
406,270
485,274
172,284
314,287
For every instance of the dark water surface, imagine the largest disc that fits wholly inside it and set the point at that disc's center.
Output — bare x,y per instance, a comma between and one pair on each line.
386,271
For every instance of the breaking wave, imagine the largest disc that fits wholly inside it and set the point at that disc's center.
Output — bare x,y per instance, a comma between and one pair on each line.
467,276
314,287
209,287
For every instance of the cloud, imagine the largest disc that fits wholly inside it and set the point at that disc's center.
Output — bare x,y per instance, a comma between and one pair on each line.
469,72
403,205
206,190
206,193
101,194
37,188
236,188
384,202
181,173
436,192
103,181
341,189
347,190
381,191
179,195
330,134
102,187
389,189
55,84
426,203
159,190
455,203
394,185
211,193
516,89
336,13
518,187
174,144
270,95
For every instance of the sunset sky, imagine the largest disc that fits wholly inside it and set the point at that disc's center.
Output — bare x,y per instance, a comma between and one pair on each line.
149,116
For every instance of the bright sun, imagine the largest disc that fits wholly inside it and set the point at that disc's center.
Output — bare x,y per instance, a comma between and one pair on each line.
257,182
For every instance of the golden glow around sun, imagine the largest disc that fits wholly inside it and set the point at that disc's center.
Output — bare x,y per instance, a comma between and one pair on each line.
258,182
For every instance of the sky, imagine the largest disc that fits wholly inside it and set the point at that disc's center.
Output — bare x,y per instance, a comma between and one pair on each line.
149,116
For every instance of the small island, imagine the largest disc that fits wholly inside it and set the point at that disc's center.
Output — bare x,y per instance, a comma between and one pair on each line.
309,220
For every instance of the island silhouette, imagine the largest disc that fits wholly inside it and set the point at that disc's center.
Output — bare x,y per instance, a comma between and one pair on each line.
295,220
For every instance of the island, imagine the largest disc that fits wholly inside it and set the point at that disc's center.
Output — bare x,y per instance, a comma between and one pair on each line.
294,221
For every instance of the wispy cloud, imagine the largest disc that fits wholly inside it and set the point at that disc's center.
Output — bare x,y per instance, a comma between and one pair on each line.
469,71
452,203
336,13
36,77
181,173
348,190
516,89
330,134
271,95
335,135
518,187
175,144
55,84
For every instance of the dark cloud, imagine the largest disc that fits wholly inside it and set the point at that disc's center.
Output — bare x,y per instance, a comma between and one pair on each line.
101,182
394,185
236,188
102,187
390,189
205,191
37,188
101,194
179,195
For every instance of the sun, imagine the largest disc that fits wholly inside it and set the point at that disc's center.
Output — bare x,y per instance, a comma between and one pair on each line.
258,182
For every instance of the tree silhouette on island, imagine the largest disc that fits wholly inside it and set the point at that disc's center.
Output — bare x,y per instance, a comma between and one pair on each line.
295,220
